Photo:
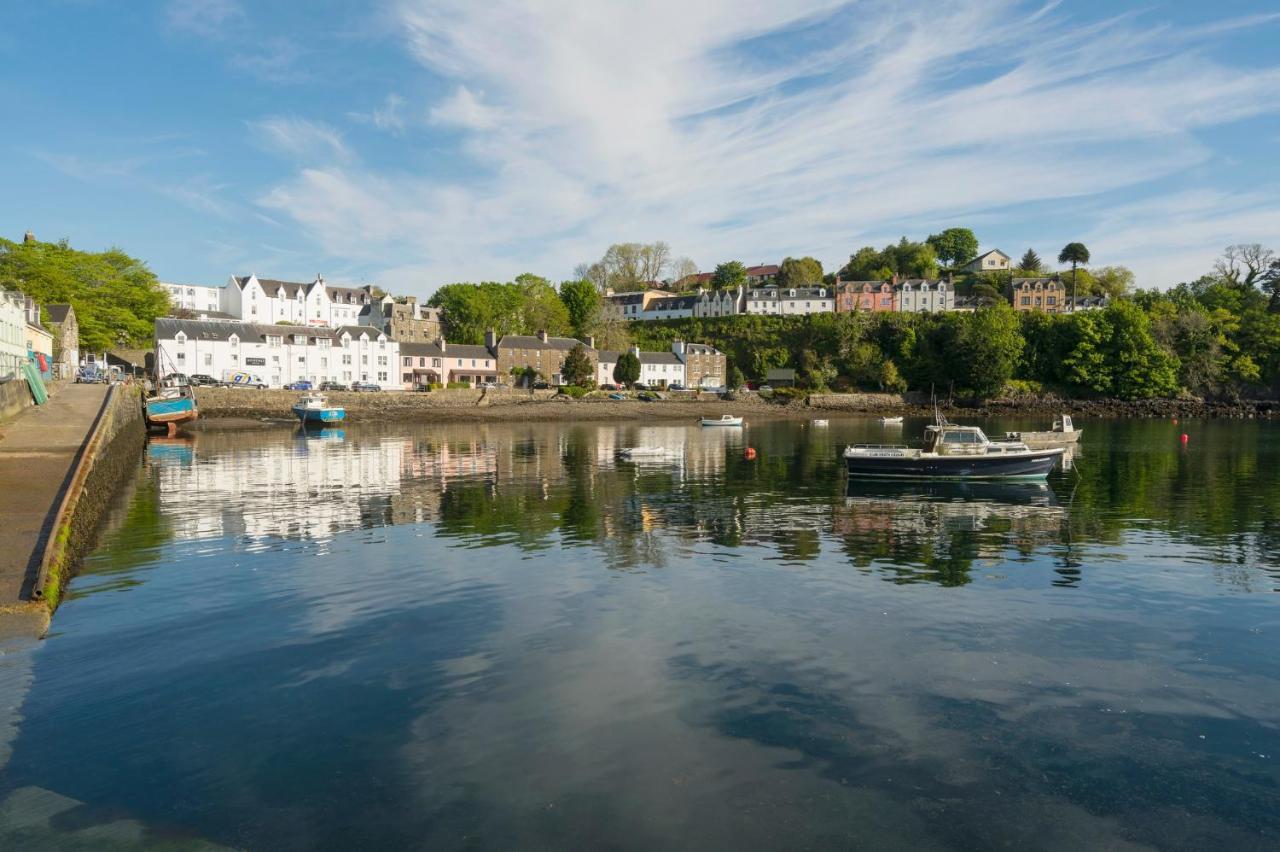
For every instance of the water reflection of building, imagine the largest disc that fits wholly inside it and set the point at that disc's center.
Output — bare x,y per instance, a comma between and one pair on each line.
290,489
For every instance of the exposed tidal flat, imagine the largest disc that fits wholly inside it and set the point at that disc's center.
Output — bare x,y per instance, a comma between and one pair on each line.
499,635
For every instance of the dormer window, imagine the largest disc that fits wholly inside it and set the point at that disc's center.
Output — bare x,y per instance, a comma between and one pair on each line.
235,341
180,337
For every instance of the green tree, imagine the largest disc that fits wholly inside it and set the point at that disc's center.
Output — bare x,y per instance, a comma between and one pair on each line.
912,260
800,272
866,264
582,300
1139,366
729,276
954,246
627,370
577,369
1270,282
1112,281
1074,254
736,379
115,296
1030,261
990,348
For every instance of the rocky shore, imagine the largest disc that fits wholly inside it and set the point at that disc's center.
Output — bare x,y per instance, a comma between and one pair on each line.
221,407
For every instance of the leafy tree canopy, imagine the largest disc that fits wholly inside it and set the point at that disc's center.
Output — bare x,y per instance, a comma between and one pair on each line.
627,370
577,369
800,272
582,301
729,276
116,297
954,246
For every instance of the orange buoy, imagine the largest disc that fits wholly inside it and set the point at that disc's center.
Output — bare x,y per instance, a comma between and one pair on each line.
1175,421
749,453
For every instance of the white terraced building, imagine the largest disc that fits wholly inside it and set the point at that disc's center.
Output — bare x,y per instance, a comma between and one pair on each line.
794,301
657,369
278,354
266,300
199,298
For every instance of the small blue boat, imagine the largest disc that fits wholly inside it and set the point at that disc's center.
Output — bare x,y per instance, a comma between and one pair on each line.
314,408
170,407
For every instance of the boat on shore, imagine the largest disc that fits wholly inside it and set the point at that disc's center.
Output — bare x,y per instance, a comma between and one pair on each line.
952,452
315,408
1062,434
171,406
891,421
723,420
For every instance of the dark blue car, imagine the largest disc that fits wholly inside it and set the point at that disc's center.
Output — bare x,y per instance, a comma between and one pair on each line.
303,385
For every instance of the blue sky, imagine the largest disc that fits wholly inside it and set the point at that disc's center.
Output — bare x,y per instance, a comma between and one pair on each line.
412,143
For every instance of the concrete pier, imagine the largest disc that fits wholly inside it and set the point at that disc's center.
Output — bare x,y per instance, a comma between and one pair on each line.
44,457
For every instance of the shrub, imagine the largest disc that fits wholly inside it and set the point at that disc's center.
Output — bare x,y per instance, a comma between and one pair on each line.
574,391
459,385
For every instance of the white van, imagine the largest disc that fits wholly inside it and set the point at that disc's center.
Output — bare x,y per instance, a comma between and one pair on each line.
241,379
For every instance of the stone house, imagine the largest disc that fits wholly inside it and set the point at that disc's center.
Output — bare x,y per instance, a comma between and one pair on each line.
404,320
61,321
1038,294
704,366
543,353
793,301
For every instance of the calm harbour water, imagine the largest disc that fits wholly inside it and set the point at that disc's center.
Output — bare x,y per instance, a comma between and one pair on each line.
496,636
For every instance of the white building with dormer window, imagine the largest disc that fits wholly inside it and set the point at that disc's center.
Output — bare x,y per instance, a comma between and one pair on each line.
266,300
278,354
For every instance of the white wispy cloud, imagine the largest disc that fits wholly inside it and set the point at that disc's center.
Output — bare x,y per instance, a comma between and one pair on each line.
206,18
388,116
308,141
750,129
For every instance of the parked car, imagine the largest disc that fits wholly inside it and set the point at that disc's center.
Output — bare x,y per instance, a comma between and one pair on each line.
332,386
202,380
541,385
675,386
360,387
299,385
648,397
488,385
610,386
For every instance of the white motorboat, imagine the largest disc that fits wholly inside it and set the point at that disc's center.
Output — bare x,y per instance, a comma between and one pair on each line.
952,452
1062,434
890,421
724,420
820,422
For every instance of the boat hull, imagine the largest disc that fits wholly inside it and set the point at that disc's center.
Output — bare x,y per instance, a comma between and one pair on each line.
163,411
1032,465
320,415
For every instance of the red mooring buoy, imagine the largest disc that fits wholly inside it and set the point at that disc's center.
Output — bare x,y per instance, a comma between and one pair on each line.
1185,438
749,453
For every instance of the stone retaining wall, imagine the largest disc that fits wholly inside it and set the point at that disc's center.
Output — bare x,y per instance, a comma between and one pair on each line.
384,405
114,449
14,397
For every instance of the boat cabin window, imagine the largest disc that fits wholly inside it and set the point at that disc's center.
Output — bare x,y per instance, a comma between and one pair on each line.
957,436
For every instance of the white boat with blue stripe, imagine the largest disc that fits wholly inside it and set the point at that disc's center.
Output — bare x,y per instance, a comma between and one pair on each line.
315,408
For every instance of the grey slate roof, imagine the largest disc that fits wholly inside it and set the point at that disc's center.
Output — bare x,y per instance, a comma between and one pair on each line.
659,358
701,349
528,341
57,313
673,303
607,355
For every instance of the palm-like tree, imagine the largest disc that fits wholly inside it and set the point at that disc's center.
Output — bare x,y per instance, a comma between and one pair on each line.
1074,254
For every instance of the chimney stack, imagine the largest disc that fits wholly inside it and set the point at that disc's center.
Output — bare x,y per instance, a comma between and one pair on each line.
28,237
542,335
491,339
590,341
440,342
677,346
